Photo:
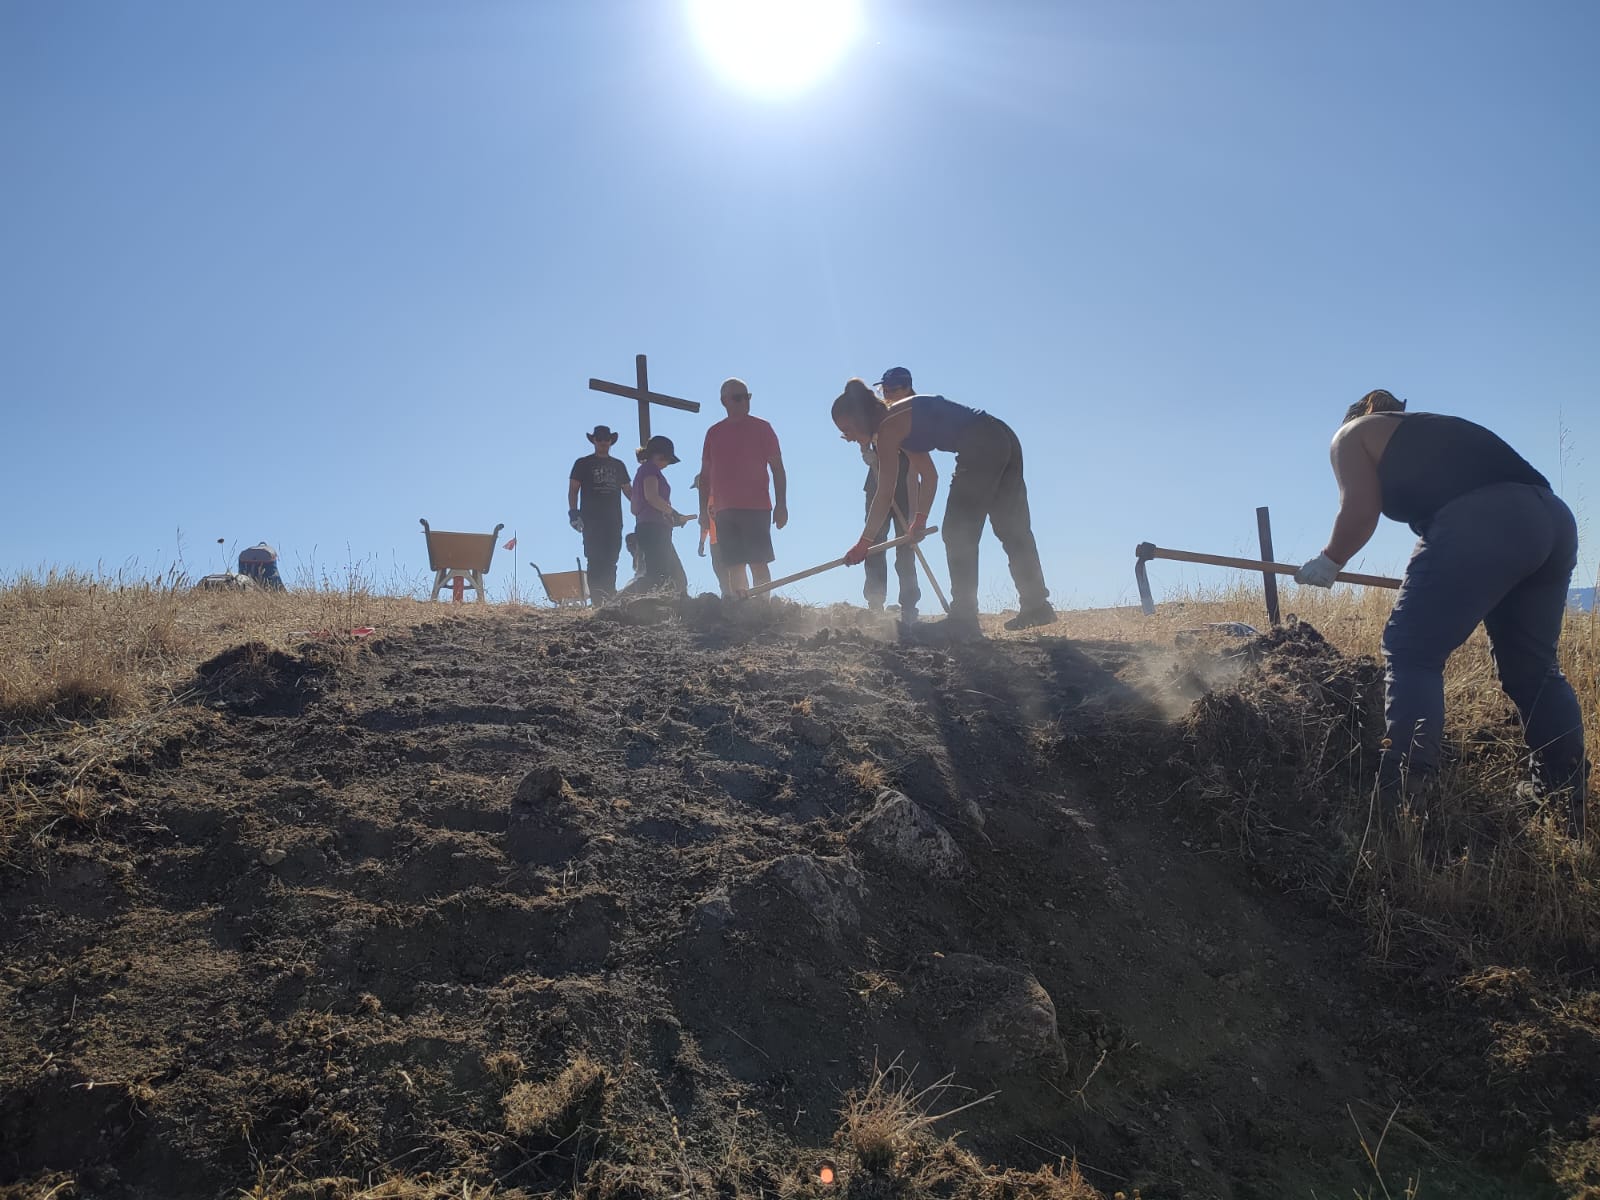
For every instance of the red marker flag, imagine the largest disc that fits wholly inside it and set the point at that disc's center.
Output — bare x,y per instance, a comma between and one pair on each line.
511,545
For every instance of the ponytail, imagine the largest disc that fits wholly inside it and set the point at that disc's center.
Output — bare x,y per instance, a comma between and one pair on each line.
861,405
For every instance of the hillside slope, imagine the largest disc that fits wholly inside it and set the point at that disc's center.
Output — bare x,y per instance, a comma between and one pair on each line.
630,904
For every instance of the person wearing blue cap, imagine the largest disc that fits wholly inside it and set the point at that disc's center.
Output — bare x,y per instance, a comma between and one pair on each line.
895,385
987,486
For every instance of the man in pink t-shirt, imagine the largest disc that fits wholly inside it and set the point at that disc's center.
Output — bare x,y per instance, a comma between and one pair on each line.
739,451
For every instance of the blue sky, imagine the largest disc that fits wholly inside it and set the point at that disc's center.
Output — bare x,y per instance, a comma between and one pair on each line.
306,271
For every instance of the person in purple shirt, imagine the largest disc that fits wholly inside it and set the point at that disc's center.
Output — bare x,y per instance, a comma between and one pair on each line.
987,485
655,519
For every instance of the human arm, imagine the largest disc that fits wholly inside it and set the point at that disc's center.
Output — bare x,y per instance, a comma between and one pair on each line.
705,483
573,517
653,497
922,485
1360,506
624,483
1360,494
780,490
890,434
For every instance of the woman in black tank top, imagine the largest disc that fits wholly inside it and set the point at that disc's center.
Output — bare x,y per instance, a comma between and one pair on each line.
1497,547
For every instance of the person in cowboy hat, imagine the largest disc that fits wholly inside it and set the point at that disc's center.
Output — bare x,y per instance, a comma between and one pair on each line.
656,519
594,508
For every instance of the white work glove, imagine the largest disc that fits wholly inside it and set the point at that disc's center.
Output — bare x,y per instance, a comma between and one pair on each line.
575,519
869,456
1321,572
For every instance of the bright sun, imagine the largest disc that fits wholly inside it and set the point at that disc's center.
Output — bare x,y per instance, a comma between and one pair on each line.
775,46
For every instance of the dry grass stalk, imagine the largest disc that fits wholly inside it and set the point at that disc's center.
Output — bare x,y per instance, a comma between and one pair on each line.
868,776
560,1108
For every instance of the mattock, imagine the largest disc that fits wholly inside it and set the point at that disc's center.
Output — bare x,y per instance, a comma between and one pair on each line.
1145,551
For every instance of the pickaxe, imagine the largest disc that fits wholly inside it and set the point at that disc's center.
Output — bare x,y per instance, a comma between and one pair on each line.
838,562
1145,552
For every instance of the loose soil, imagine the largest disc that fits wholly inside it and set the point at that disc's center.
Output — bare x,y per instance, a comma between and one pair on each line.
628,904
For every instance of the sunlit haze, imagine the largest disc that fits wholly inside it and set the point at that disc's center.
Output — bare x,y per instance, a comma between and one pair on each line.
305,272
774,47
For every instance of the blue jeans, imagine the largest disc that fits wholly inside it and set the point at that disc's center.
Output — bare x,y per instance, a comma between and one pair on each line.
1502,555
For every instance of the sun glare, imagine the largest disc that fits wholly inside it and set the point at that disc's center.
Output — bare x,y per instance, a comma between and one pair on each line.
774,47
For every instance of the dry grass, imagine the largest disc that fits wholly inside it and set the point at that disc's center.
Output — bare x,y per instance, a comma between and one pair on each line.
93,669
888,1149
74,647
399,1187
560,1108
868,776
1486,872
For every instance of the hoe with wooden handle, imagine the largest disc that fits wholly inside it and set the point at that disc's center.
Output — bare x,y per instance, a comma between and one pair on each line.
1145,552
838,562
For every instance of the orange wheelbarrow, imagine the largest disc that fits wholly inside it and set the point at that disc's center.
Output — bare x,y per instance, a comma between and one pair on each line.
459,559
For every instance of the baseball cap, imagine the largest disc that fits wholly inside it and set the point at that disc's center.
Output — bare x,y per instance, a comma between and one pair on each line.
896,377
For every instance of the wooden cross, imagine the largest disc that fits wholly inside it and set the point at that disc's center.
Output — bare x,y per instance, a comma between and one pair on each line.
644,396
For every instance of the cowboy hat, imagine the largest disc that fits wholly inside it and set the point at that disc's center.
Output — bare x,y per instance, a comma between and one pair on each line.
660,444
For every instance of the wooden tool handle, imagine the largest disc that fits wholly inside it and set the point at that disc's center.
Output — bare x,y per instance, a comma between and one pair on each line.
1147,551
838,562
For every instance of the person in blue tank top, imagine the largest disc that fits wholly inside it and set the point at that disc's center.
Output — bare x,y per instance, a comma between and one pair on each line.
1498,547
987,485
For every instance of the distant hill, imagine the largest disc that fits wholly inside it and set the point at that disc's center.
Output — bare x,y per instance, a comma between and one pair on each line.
1581,599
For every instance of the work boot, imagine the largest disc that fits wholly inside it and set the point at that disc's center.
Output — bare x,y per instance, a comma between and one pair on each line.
954,628
1031,618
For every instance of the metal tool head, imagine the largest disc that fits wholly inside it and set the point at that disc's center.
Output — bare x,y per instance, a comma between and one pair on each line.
1147,602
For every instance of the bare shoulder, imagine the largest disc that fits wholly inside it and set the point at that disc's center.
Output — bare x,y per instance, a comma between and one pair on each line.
1368,436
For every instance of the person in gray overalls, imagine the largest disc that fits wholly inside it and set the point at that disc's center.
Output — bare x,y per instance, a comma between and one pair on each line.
1497,546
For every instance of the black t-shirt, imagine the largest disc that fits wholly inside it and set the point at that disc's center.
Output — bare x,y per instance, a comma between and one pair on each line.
1431,459
600,484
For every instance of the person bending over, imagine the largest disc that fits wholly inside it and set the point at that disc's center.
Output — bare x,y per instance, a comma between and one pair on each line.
987,485
1496,546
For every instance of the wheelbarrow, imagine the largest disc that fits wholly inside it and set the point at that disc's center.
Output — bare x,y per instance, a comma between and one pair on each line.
459,559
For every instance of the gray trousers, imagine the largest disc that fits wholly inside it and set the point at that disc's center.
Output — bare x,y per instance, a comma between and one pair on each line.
987,485
1502,555
663,570
876,588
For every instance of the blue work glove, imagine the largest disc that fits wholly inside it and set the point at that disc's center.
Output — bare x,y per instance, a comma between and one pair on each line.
575,519
1321,572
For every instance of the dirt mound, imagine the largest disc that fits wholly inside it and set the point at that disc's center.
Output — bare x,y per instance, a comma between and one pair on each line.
701,900
256,680
1280,751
